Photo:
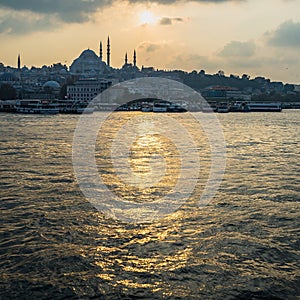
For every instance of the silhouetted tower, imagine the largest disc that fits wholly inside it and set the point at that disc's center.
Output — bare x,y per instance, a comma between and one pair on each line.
101,53
126,59
19,62
134,58
108,52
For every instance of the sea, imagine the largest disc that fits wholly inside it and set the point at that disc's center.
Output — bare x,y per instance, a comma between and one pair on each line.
242,244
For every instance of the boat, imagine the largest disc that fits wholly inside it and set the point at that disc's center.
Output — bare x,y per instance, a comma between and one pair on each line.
160,107
223,107
209,107
206,108
166,106
239,106
76,107
146,107
7,105
36,107
106,106
175,107
264,107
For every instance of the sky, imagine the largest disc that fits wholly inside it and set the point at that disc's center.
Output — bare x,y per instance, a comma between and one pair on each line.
254,37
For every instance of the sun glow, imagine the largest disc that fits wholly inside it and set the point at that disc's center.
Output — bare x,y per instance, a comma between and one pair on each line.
147,17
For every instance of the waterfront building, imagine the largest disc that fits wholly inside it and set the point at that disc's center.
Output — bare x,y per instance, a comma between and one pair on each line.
225,92
86,89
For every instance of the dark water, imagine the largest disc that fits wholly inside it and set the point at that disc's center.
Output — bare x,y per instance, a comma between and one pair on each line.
243,245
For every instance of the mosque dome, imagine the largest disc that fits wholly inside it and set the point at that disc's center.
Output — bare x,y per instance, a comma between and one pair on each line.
8,77
51,84
88,62
88,54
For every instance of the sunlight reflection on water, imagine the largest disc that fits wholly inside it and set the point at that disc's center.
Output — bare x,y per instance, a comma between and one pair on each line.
243,245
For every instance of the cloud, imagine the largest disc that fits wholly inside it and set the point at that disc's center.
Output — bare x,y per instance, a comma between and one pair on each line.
151,52
12,22
149,47
192,61
20,17
77,10
169,21
238,49
174,1
52,13
286,35
67,11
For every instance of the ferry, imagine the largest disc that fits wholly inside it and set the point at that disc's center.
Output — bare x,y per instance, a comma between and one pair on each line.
107,106
175,107
267,107
239,107
223,107
170,107
76,107
160,107
146,107
36,107
206,108
7,105
209,107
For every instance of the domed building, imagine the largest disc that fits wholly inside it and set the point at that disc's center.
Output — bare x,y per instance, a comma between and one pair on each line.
54,85
8,77
89,62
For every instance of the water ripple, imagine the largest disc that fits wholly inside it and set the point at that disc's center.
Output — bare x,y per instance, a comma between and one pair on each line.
243,245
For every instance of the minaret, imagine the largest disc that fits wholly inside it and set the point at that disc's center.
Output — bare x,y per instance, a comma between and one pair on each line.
108,52
126,59
101,54
134,58
19,62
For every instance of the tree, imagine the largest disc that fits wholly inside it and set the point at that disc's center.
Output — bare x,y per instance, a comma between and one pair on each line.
63,89
221,73
7,92
245,77
289,87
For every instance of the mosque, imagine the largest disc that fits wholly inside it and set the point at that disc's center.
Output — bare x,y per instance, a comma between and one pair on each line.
90,63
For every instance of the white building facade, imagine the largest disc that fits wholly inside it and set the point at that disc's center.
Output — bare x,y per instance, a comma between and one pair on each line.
87,89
